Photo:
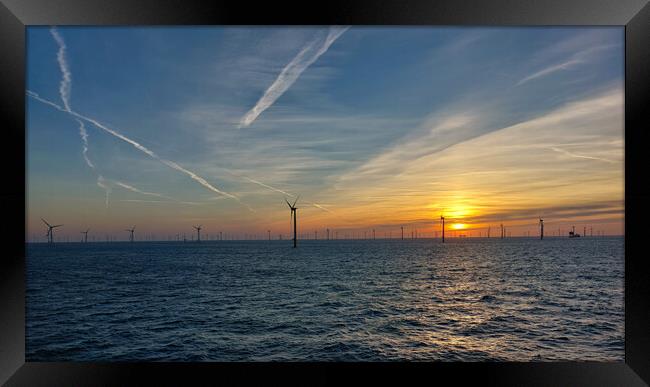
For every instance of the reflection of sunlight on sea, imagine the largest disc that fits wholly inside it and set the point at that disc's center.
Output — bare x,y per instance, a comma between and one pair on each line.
469,299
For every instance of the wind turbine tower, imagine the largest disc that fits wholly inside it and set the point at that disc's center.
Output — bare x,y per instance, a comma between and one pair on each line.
198,233
50,231
442,219
541,227
85,235
132,230
293,216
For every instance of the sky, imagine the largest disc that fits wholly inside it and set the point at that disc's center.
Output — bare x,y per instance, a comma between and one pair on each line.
373,127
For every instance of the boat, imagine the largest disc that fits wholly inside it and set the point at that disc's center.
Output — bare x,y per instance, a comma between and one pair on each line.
573,233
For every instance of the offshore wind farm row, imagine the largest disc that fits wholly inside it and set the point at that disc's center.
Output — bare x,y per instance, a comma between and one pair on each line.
328,234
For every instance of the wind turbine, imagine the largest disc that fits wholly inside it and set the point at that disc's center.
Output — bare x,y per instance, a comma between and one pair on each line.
85,235
541,227
198,233
442,219
132,230
50,231
293,216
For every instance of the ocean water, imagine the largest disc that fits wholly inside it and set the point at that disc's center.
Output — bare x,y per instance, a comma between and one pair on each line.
472,299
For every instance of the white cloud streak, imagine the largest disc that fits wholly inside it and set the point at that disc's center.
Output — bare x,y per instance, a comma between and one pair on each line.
65,87
562,66
102,183
284,192
66,80
570,154
139,147
136,190
579,57
290,73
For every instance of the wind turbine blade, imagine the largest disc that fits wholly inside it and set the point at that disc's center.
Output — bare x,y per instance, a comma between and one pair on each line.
288,204
48,225
296,201
58,225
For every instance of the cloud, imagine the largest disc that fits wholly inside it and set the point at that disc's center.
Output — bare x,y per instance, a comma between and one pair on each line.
563,151
139,147
84,137
65,87
102,183
551,69
580,57
133,189
290,73
66,80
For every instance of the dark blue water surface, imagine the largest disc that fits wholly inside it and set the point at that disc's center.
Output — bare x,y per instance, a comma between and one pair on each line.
473,299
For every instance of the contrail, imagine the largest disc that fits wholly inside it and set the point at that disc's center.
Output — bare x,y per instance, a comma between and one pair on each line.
84,137
138,146
66,80
290,74
64,90
281,191
133,189
159,201
101,183
581,156
561,66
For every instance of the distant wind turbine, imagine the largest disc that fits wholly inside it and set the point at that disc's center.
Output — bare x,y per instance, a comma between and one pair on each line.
85,235
293,215
198,233
541,228
50,231
131,230
442,219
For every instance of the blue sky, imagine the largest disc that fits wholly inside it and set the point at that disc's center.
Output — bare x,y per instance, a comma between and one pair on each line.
356,120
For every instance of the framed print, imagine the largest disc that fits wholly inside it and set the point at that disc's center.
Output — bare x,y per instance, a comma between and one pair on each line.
371,192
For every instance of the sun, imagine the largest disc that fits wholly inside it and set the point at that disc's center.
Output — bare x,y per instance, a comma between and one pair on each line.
459,226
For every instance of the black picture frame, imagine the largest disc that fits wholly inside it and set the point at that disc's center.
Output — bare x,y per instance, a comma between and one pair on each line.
15,15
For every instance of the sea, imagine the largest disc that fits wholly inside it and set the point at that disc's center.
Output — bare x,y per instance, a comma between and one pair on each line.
468,299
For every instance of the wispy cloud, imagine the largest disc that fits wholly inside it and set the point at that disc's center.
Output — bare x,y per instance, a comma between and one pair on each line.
137,190
84,137
66,80
551,69
578,58
290,73
570,154
159,202
139,147
102,183
284,193
65,87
